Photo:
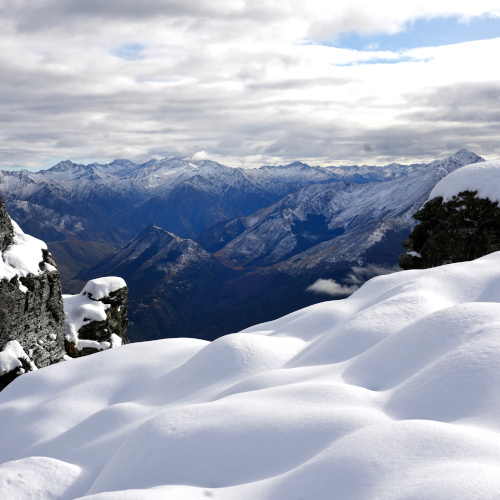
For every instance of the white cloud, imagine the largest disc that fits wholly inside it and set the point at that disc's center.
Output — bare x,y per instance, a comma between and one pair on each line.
121,78
352,282
331,287
200,155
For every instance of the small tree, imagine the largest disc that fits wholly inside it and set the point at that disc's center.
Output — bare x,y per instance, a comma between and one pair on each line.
463,228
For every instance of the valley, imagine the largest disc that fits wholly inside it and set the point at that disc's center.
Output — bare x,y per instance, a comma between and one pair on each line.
207,249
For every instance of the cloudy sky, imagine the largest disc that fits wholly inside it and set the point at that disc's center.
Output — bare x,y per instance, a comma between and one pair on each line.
248,82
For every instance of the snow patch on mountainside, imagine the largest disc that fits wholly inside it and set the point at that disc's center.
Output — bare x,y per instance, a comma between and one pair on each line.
483,177
391,393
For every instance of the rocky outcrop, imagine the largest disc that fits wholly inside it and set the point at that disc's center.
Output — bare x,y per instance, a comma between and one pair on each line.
6,228
36,328
464,228
96,319
31,307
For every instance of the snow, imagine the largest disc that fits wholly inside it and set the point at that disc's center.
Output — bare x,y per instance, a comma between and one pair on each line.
102,287
10,355
391,393
116,341
93,344
482,177
414,254
81,309
42,477
86,307
22,258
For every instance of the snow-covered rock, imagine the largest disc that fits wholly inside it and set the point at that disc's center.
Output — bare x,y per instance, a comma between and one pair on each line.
96,318
99,288
389,394
31,310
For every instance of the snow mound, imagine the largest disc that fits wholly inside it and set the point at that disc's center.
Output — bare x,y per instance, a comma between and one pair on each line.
483,177
99,288
391,393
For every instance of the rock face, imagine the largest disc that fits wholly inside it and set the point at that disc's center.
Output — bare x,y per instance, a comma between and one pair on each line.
96,319
461,229
31,306
33,330
6,228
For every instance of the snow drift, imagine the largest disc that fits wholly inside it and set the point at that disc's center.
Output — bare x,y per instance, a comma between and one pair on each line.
391,393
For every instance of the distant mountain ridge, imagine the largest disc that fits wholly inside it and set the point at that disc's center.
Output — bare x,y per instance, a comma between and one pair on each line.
113,203
263,262
330,216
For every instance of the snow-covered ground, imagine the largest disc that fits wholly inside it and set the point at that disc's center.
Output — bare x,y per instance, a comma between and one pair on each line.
392,393
483,177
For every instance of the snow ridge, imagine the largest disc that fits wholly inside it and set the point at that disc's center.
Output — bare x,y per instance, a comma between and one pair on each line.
483,177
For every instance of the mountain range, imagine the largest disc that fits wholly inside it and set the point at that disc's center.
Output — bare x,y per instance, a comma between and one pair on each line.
213,249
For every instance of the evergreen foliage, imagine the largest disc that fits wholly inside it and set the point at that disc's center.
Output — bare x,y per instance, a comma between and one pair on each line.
462,229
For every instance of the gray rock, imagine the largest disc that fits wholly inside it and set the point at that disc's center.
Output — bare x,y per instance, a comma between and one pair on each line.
34,317
32,314
6,229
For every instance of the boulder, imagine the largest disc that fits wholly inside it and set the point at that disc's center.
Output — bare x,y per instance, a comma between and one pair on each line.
96,319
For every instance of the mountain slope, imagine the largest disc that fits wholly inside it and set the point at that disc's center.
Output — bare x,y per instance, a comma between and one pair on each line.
320,232
172,283
334,222
73,255
389,394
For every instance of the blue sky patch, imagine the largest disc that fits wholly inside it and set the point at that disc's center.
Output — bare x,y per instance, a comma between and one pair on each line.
424,33
129,51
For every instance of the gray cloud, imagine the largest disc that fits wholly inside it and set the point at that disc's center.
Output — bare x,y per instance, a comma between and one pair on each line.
463,103
226,78
63,16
